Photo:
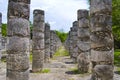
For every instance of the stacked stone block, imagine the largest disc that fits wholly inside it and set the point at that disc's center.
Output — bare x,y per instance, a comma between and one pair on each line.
74,41
101,39
83,41
38,41
47,42
71,43
67,42
0,33
55,43
18,31
51,43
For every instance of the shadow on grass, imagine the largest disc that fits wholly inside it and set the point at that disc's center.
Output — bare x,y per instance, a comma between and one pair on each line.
117,72
69,63
74,71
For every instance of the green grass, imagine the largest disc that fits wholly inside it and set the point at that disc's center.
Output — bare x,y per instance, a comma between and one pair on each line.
44,71
74,70
61,52
117,58
30,57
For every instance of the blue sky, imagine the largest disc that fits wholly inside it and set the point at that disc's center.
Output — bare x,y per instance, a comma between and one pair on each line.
59,13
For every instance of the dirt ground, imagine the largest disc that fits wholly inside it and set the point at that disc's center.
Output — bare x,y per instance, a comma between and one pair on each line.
61,68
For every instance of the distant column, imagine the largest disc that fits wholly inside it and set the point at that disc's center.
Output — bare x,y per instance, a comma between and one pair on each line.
83,41
70,46
51,43
38,41
0,34
102,48
74,41
18,46
47,42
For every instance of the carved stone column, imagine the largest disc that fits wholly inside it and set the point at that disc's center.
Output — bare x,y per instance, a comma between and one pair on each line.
38,41
83,41
18,31
0,35
47,42
101,39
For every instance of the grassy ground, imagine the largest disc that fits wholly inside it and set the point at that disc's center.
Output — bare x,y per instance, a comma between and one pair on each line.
61,52
117,58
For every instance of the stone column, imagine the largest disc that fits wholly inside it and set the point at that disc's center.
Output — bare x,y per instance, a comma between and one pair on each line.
70,46
66,43
18,31
0,34
38,41
74,41
101,39
47,42
83,41
51,43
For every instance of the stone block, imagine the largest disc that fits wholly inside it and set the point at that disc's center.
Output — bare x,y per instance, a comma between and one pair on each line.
18,27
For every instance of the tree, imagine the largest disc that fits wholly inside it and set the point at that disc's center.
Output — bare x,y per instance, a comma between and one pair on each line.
116,22
62,35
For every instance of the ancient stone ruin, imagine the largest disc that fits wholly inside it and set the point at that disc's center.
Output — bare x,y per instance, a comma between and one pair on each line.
18,46
101,39
89,43
83,42
74,38
47,42
38,41
0,32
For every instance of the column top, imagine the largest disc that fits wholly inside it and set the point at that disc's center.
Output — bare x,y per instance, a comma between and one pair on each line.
0,18
75,23
0,14
47,26
24,1
38,11
100,6
82,13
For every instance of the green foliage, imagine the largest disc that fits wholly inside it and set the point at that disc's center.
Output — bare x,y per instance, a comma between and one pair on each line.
117,58
62,35
61,52
4,30
116,22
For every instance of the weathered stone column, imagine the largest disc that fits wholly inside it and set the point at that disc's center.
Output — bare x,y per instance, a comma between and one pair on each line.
51,43
83,41
101,39
67,42
38,41
18,47
0,34
47,42
71,41
74,41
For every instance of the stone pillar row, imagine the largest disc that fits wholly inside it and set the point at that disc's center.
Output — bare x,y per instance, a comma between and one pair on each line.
90,40
55,43
18,47
94,40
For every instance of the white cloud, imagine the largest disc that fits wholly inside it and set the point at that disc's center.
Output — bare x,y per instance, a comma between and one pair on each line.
60,12
63,12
